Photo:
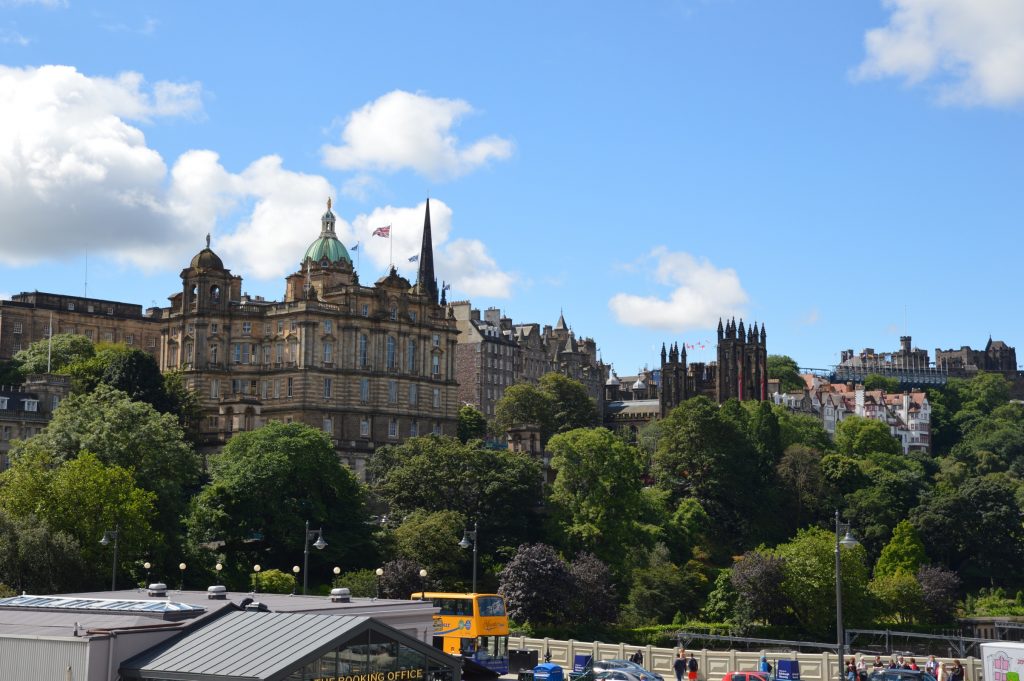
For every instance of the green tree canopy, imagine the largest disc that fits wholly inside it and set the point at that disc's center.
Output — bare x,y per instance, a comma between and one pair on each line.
904,552
879,382
572,406
535,583
857,436
660,589
597,493
802,429
784,368
30,553
66,349
266,484
557,404
472,424
428,539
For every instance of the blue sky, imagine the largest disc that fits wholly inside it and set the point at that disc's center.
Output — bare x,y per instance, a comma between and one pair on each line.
841,171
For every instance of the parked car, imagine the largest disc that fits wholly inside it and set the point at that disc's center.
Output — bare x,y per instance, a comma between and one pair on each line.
900,675
616,675
626,666
748,675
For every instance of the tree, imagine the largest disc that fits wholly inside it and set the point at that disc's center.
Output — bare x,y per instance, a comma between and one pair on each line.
499,489
79,500
596,494
265,485
525,405
661,589
809,582
593,596
273,581
10,373
879,382
43,356
427,538
472,424
30,554
784,368
800,471
131,435
939,588
856,436
721,603
903,553
757,579
899,595
572,406
802,429
534,584
401,579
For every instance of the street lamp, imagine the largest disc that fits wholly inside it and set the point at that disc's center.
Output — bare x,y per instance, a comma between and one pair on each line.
182,566
423,584
320,545
847,540
109,535
256,568
469,539
218,567
147,565
295,571
380,573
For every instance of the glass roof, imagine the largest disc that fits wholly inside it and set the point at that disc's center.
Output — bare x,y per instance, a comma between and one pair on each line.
99,604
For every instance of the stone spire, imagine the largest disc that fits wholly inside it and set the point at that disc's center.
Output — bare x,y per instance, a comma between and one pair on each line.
426,282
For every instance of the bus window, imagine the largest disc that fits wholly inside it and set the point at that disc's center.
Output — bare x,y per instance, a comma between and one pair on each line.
491,606
468,646
462,607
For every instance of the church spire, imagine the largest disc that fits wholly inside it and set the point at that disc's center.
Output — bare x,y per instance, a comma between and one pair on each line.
426,282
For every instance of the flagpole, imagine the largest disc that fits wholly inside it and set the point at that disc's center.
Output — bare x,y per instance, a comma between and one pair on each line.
49,345
391,245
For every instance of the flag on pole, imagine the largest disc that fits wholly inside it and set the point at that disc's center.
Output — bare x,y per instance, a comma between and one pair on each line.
356,247
383,231
414,258
446,287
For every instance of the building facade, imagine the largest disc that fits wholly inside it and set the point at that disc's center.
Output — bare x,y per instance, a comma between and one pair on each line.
368,364
27,408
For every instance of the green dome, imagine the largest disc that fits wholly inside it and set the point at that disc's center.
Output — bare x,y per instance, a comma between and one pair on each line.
327,246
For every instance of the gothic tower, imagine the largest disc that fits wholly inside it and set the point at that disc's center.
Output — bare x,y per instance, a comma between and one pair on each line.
674,387
742,362
426,282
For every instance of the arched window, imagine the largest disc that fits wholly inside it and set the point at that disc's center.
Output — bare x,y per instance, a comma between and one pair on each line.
215,294
391,352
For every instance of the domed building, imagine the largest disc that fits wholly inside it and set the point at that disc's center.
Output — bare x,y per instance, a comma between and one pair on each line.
368,364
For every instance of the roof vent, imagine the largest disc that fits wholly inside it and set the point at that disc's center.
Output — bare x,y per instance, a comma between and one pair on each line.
217,592
256,606
157,590
341,596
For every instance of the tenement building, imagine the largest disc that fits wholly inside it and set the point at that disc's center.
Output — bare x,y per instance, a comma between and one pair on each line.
26,409
368,364
493,353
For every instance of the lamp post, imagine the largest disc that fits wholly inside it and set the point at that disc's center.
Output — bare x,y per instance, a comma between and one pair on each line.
109,535
256,568
469,539
295,571
218,567
423,584
320,545
182,566
380,573
847,539
147,565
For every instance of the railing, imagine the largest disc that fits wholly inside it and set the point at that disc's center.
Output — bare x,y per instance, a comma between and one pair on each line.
712,664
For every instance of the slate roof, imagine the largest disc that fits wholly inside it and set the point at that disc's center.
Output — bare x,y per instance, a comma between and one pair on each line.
258,646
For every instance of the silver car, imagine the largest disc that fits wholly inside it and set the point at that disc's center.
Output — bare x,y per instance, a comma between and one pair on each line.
626,666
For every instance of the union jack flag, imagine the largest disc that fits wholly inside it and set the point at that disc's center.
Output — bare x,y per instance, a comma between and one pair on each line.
383,231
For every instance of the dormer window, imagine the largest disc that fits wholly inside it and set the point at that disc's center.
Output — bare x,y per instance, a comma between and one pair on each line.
31,405
3,402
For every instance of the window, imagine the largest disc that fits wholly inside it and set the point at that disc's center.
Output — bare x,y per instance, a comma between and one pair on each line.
436,340
328,353
393,313
393,428
437,428
412,316
391,352
214,389
328,425
246,328
279,353
266,328
264,389
71,307
3,402
328,385
414,429
413,395
237,353
280,326
435,365
328,326
266,354
7,433
392,391
213,327
110,310
437,398
364,390
151,341
289,393
17,327
277,388
364,428
31,405
365,310
294,326
410,356
362,350
213,354
91,308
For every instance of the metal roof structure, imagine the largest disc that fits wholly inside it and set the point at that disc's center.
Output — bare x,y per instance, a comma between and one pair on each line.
159,608
260,646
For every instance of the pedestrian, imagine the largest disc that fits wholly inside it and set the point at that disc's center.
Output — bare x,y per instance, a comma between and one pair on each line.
912,664
901,663
679,666
893,664
932,666
638,658
691,669
877,664
851,670
862,668
956,673
765,666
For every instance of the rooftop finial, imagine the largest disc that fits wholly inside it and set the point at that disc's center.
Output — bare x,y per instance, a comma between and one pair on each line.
328,203
207,239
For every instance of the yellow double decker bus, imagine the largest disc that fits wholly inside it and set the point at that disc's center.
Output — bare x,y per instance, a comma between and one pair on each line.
472,626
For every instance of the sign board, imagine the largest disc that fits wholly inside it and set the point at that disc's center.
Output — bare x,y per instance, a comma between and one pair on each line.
1004,660
580,663
787,670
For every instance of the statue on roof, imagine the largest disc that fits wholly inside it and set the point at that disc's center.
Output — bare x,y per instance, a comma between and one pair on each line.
328,203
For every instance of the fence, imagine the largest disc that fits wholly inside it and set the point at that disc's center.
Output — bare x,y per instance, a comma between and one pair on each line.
713,664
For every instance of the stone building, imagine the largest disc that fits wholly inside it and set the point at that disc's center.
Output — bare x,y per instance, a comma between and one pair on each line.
493,353
368,364
26,409
965,362
26,318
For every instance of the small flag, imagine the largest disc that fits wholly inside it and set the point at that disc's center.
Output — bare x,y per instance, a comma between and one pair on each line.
446,287
383,231
414,258
356,247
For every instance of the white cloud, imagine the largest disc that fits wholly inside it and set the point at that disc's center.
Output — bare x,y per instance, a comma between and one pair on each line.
12,37
43,3
973,48
472,271
812,317
702,294
405,130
